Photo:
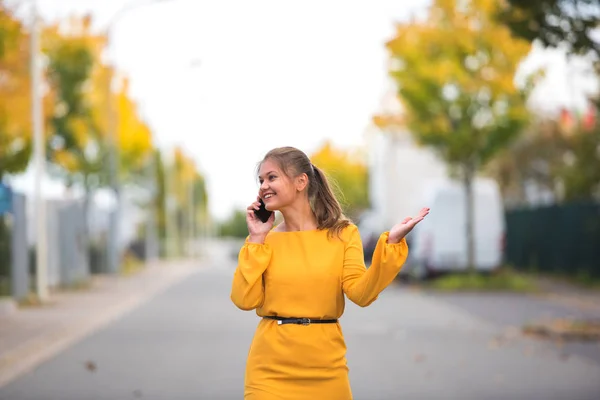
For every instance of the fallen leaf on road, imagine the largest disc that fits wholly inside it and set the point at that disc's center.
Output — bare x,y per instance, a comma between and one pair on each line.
91,366
566,329
419,358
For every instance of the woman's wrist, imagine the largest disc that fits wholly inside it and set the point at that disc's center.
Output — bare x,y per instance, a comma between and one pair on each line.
259,239
393,239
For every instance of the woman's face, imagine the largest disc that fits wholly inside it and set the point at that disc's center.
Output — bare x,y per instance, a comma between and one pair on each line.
276,189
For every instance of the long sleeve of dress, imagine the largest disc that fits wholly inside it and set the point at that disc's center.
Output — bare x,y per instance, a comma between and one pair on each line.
247,291
362,285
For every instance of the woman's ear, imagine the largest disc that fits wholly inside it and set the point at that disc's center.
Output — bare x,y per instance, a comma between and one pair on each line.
301,182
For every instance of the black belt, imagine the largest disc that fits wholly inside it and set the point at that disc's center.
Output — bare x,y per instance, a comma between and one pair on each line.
301,321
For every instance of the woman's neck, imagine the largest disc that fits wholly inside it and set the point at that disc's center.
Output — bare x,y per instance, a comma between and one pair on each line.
299,217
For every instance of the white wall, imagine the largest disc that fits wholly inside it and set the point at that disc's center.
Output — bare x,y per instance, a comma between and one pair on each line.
398,171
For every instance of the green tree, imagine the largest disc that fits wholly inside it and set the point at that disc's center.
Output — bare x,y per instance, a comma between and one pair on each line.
455,76
77,149
555,23
235,226
349,175
570,25
563,161
184,199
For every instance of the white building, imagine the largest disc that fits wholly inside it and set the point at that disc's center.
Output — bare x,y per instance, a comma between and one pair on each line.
398,171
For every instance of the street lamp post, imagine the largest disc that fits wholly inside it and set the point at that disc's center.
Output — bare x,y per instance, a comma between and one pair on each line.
39,147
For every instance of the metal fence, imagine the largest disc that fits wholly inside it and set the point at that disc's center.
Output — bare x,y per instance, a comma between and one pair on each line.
14,257
71,259
68,262
560,239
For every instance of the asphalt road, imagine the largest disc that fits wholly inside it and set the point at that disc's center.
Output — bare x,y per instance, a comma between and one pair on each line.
190,342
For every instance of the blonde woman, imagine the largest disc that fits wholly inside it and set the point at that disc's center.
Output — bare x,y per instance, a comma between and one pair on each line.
295,276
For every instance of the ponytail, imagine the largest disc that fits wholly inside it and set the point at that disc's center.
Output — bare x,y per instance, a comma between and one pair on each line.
325,205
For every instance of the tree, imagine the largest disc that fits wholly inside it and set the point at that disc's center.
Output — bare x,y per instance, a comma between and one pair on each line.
535,159
87,117
185,198
556,156
135,140
235,226
571,25
555,23
77,147
348,174
455,76
15,95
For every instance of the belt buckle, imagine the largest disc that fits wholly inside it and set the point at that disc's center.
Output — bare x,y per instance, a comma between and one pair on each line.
305,321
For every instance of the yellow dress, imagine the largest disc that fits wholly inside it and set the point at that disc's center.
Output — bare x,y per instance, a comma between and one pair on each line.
305,274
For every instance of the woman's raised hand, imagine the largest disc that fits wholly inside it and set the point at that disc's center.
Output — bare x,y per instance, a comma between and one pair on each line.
401,229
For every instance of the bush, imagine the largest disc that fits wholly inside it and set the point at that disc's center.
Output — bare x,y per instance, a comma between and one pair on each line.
503,280
235,226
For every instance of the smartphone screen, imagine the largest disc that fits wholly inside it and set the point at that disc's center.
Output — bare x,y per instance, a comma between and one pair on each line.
262,213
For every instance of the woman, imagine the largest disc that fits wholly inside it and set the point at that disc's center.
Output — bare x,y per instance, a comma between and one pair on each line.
296,275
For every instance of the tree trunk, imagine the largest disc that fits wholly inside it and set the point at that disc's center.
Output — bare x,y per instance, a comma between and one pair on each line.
468,177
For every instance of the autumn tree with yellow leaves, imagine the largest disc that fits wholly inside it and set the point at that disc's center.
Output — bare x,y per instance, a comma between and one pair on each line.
76,145
87,116
15,95
348,174
183,200
455,75
135,140
88,119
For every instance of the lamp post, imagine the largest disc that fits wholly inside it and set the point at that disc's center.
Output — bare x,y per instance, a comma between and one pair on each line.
39,154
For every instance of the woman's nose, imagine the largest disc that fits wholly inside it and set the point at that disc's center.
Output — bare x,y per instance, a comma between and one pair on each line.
264,186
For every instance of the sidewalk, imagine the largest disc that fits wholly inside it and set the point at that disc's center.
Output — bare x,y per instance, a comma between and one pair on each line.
32,335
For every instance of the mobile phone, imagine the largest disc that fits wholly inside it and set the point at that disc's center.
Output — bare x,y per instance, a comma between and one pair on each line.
262,213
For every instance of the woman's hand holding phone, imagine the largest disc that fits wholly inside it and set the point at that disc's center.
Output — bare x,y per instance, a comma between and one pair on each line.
256,228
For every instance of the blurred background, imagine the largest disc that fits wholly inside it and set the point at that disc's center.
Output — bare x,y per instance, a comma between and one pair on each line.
130,131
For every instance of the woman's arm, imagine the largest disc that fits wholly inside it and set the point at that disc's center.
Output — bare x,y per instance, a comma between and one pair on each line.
362,285
247,290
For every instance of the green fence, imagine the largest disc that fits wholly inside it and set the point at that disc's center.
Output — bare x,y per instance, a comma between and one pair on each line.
561,239
5,256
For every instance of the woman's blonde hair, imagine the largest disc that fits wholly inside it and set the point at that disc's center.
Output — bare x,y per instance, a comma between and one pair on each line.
323,202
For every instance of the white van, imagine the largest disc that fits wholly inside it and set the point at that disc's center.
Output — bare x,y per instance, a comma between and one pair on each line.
439,243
